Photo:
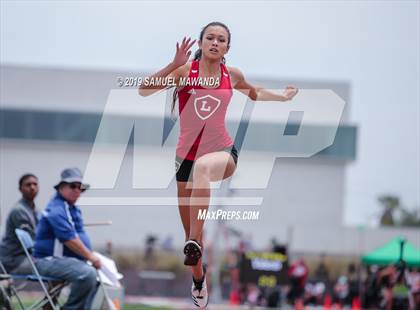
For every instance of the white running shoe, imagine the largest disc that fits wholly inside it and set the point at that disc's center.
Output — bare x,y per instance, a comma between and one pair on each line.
199,294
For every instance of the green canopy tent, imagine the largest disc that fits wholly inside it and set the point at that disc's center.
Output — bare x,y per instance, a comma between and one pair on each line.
391,253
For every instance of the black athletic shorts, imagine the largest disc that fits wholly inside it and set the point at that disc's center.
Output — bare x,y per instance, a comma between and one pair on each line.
184,167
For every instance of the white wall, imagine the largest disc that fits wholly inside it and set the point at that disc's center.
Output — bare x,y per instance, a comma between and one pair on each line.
301,192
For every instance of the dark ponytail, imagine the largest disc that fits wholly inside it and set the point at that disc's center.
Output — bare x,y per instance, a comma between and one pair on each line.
198,54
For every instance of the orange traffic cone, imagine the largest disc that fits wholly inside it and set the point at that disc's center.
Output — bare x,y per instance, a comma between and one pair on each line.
327,302
234,298
356,304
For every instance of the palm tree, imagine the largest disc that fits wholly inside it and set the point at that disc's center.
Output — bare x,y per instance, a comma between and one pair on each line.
390,204
410,218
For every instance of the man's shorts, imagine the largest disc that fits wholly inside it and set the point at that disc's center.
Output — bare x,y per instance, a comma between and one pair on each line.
184,166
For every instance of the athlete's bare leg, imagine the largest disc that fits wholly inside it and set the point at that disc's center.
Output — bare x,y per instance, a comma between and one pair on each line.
211,167
184,194
208,168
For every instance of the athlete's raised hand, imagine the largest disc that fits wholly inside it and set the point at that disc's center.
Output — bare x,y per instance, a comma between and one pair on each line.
183,52
182,55
290,92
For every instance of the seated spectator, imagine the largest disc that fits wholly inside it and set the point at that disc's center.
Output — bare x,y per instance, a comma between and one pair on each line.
321,273
372,289
353,281
62,246
23,215
341,291
414,282
314,293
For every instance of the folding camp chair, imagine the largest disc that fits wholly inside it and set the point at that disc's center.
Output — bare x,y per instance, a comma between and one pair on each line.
27,245
8,289
5,301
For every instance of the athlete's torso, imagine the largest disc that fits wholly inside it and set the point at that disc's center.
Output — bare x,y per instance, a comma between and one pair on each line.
202,114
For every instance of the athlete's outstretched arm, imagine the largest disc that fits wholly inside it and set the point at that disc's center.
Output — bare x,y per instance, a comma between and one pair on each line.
258,93
174,69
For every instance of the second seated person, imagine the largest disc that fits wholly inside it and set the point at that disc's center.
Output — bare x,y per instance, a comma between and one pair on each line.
62,246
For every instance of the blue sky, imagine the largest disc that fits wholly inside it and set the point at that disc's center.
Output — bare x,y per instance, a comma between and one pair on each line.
374,45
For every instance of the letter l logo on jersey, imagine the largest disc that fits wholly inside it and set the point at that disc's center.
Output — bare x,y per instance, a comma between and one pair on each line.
205,106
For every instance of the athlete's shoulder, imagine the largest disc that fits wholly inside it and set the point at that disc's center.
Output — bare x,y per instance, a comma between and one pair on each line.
236,74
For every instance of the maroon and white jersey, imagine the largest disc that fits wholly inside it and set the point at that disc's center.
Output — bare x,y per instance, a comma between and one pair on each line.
202,113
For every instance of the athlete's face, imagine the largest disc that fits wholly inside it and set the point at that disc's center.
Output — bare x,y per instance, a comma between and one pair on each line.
214,44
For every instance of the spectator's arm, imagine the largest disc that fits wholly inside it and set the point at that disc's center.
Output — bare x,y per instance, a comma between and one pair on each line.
60,223
21,220
65,232
382,274
77,246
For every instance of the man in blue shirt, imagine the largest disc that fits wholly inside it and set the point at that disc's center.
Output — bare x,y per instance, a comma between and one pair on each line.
62,246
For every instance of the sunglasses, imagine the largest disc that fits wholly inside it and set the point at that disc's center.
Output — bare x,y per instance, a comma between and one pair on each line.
76,186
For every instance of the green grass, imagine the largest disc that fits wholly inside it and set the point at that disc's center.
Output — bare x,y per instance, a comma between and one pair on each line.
27,303
30,300
139,307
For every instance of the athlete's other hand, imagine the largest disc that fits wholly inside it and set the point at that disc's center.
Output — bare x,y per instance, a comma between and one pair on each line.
290,92
183,52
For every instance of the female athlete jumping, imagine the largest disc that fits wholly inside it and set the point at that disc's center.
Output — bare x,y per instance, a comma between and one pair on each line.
205,152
